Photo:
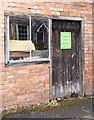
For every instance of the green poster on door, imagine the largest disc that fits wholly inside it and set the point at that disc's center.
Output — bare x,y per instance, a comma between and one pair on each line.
65,40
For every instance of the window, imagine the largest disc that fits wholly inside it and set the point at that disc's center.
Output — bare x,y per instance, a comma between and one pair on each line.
27,39
22,32
40,38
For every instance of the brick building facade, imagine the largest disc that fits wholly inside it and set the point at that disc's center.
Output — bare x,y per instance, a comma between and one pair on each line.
29,83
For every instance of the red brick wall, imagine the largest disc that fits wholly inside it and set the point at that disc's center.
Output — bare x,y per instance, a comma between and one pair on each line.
23,85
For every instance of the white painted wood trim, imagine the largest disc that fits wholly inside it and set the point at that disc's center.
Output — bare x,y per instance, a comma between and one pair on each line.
82,37
49,38
68,18
30,35
7,41
50,58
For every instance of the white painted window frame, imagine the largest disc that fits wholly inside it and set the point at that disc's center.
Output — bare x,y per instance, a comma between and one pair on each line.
28,60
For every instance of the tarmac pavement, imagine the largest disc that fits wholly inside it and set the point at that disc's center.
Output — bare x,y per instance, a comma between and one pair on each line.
82,110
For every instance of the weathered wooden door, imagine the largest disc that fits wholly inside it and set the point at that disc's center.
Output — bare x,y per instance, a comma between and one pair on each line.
66,63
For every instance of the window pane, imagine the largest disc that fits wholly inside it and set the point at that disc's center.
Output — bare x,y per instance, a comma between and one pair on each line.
40,38
19,43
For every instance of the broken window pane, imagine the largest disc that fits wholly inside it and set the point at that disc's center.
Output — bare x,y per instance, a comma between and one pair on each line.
39,38
19,43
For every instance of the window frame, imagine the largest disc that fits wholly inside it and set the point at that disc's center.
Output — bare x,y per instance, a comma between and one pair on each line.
7,59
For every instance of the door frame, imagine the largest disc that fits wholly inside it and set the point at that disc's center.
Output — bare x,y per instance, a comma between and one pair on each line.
82,76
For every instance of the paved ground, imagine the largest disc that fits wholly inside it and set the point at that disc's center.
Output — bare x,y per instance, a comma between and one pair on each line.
78,111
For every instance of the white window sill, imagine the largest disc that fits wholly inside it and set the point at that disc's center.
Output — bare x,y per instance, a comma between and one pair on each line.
29,60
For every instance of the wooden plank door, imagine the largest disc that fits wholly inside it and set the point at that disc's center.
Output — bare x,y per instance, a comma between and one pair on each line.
66,63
